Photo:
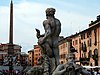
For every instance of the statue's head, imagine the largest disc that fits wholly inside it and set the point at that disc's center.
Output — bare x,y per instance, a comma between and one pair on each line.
50,11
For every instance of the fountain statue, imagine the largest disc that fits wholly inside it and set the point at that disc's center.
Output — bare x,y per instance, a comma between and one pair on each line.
48,43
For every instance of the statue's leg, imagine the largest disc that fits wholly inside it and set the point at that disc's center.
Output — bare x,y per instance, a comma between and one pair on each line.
48,50
56,55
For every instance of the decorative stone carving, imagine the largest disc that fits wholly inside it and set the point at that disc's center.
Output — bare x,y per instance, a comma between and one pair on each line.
70,68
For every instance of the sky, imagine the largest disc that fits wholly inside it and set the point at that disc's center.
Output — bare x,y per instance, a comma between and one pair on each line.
74,15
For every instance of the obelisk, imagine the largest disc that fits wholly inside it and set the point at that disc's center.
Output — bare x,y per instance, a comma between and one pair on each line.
10,47
11,24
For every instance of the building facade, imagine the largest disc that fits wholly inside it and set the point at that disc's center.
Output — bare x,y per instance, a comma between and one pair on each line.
87,43
23,59
4,50
37,54
64,45
31,57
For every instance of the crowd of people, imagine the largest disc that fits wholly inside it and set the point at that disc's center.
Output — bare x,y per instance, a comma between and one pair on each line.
7,72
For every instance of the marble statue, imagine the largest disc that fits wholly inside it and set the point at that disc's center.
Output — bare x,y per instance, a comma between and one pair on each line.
48,43
49,40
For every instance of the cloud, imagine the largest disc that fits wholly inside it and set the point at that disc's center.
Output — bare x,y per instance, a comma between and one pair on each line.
30,15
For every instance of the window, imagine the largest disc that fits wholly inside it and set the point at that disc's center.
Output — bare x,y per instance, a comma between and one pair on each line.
95,35
82,46
61,62
36,54
64,45
76,42
87,42
39,50
61,56
39,54
87,34
90,42
84,35
35,58
81,36
73,42
36,50
64,56
61,47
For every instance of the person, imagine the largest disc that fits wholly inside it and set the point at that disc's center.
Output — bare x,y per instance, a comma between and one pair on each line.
49,40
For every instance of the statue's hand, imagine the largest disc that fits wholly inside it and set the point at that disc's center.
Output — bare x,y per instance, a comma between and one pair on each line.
37,30
59,70
38,33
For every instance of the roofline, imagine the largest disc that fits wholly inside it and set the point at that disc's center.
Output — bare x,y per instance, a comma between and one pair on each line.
97,25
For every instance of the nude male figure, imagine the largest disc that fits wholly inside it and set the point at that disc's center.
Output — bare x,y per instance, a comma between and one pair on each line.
52,27
49,40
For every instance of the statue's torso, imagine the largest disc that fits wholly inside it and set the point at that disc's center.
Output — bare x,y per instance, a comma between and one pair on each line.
55,27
